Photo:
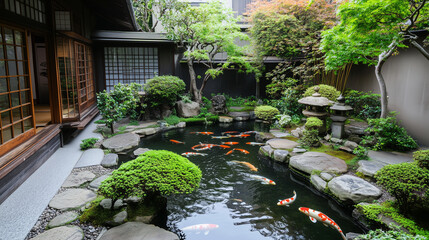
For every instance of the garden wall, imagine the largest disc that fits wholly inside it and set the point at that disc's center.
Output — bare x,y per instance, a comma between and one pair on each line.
407,80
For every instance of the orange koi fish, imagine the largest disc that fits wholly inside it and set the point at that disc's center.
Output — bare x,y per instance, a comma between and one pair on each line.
175,141
229,152
223,146
230,143
219,137
240,136
203,133
228,132
202,148
255,143
252,168
187,154
202,145
318,216
241,150
287,201
264,180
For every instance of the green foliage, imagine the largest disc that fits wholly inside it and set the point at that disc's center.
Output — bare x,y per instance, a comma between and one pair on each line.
266,112
185,98
310,138
172,120
163,90
326,91
97,215
365,105
124,100
277,86
288,103
313,123
379,234
152,173
387,134
200,119
284,120
361,153
148,12
88,143
374,212
422,158
407,182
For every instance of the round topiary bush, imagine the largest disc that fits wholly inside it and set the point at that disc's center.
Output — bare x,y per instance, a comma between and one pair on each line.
163,90
310,135
313,123
266,112
152,173
407,182
326,91
422,158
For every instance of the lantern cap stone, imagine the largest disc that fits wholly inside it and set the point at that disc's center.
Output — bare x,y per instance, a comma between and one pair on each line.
316,99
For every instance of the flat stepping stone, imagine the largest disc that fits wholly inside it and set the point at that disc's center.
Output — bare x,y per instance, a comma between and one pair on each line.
78,178
279,134
139,151
370,168
263,136
63,219
90,157
348,187
279,143
72,199
146,131
61,233
97,182
316,161
122,142
240,116
225,119
389,157
138,231
110,160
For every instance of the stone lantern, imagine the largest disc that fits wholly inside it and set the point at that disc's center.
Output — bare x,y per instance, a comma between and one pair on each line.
316,106
339,117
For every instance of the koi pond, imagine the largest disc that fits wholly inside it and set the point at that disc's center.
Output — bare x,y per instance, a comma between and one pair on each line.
231,203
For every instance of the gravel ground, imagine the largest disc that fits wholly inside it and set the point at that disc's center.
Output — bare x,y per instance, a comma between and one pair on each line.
91,232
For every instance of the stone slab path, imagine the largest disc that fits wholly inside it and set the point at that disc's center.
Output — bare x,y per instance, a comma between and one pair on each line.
90,157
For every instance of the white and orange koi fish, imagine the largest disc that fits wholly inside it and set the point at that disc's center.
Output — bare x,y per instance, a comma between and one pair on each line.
249,132
219,137
201,227
287,201
263,180
255,144
187,154
321,217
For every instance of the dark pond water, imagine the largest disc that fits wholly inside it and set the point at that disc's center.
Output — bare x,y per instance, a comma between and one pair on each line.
241,206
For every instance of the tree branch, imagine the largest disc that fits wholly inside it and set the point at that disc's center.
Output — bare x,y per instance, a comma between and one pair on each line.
420,48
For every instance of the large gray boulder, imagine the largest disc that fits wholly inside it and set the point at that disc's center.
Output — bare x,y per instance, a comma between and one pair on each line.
279,143
219,104
240,116
266,151
110,160
122,142
318,182
316,161
138,231
191,109
369,168
72,199
61,233
281,156
263,136
348,187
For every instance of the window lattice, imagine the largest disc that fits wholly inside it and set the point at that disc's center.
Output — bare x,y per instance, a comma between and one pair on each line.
32,9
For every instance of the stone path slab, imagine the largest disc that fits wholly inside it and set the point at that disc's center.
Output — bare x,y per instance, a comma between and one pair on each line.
72,199
279,143
90,157
240,116
78,178
110,160
139,151
279,134
61,233
138,231
390,157
316,161
348,187
63,219
122,142
370,168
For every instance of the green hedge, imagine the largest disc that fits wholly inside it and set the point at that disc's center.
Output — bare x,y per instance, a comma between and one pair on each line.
266,112
163,90
422,158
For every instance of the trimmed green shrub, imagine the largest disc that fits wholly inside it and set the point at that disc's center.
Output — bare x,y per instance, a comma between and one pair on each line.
88,143
152,173
365,105
361,153
266,112
310,138
124,100
422,158
284,120
387,134
379,234
374,212
326,91
163,90
172,120
313,123
407,182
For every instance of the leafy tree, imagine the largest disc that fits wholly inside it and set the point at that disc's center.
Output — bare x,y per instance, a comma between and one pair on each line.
149,12
370,31
204,32
292,29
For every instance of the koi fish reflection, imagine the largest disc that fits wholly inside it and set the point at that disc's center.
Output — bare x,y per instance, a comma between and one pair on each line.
201,227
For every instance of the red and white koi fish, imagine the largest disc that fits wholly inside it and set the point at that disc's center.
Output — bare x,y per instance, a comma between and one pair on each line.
321,217
241,150
187,154
230,143
229,132
249,132
249,165
264,180
202,146
175,141
287,201
203,133
240,135
223,146
201,227
219,137
255,143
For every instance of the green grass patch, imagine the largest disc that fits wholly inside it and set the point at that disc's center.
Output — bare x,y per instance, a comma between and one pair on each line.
122,128
336,153
193,120
133,123
243,109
